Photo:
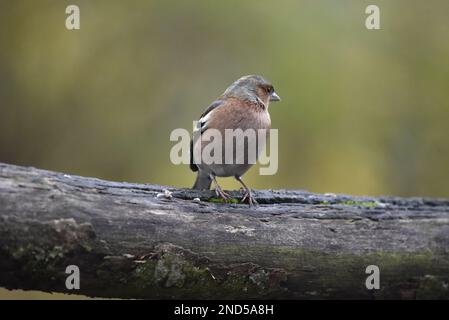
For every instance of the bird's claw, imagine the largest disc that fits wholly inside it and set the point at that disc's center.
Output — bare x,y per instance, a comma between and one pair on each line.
248,196
220,193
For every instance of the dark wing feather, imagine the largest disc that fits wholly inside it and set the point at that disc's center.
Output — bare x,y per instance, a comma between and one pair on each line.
211,107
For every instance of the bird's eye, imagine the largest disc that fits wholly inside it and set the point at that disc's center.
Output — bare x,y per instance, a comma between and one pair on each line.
269,90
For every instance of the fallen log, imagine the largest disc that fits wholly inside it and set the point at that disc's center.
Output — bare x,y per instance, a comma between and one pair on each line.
149,241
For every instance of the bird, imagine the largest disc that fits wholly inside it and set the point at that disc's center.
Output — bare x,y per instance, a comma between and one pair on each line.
243,105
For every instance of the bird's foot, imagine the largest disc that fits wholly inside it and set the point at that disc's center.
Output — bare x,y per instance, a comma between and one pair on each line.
248,196
220,193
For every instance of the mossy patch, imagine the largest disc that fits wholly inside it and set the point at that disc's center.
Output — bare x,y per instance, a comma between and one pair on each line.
176,270
366,204
221,200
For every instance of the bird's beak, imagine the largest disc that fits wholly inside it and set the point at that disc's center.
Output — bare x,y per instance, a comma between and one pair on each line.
274,97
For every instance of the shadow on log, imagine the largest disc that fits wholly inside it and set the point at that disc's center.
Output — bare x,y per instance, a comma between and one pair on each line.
140,241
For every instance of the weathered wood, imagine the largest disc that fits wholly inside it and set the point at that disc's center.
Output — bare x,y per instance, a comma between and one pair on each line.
130,243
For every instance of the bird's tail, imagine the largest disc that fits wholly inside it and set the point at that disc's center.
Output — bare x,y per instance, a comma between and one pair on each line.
203,181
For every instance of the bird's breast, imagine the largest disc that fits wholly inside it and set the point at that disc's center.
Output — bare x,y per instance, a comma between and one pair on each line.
243,131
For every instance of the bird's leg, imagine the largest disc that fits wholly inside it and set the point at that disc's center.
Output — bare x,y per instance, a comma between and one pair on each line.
219,191
248,195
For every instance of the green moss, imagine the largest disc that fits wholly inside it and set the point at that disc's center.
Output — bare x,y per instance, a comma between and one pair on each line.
55,252
221,200
359,203
366,204
191,278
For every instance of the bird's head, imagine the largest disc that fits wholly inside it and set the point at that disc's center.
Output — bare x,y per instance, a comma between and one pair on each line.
253,88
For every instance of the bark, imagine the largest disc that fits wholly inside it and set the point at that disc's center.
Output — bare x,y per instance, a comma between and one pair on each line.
149,241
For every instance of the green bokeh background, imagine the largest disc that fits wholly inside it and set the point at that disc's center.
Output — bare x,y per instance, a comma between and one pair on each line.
363,112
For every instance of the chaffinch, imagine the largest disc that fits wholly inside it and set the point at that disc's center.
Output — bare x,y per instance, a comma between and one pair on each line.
244,105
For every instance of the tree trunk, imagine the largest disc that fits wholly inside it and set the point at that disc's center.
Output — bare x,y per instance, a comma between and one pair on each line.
149,241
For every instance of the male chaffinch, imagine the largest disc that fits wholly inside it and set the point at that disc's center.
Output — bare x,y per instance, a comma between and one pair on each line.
244,105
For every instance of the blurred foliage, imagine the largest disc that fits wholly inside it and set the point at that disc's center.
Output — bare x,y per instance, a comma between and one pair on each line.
6,294
363,112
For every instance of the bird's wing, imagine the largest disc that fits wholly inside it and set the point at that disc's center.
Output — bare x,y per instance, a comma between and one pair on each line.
202,122
202,126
